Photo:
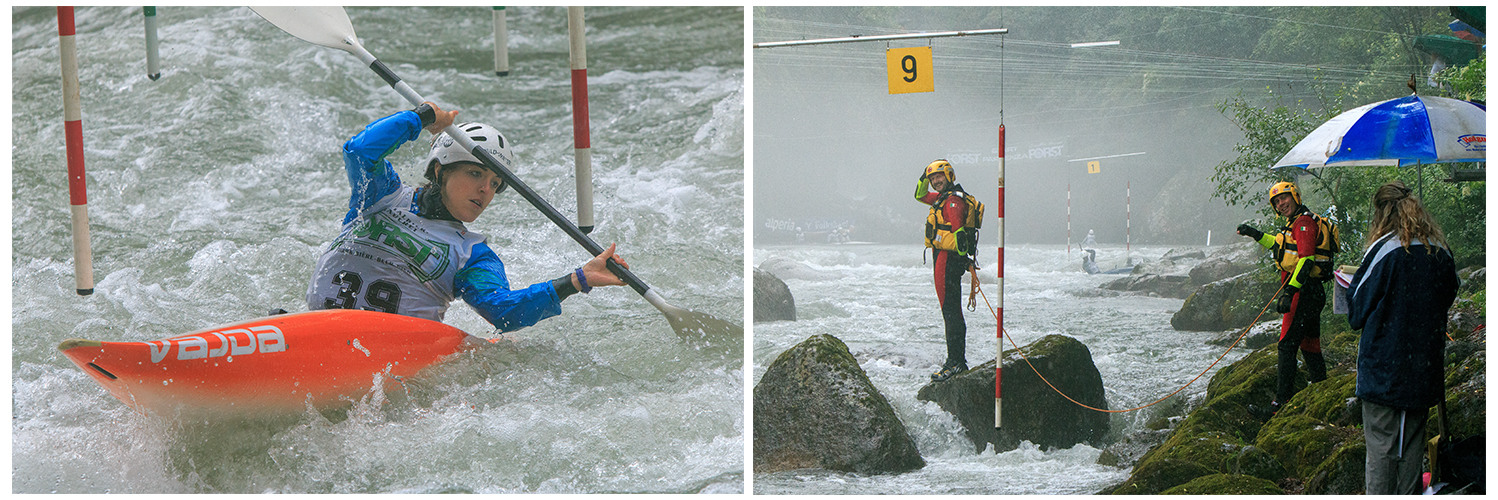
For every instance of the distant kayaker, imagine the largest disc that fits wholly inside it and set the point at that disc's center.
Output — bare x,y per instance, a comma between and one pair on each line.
1091,241
1399,299
952,245
406,250
1089,261
1302,252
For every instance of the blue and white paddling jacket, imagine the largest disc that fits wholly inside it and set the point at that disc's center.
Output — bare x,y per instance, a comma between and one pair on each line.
1399,298
389,258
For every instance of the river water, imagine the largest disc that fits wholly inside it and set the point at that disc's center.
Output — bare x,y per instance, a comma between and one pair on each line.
880,301
213,189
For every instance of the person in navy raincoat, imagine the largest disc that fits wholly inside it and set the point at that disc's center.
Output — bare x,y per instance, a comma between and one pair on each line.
1399,299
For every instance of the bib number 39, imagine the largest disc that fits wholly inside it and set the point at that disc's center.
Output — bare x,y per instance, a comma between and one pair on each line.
381,295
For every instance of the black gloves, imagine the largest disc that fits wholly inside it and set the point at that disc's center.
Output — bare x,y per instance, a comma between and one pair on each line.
1249,231
1286,298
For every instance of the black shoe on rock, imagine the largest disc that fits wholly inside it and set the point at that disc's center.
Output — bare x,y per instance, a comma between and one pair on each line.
948,372
1263,413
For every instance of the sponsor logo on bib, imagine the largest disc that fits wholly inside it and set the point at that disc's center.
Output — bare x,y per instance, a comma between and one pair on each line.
427,259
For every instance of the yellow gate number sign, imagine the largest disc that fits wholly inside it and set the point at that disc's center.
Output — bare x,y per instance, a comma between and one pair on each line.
1094,167
909,70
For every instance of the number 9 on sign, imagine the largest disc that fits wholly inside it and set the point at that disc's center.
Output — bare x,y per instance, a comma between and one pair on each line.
909,70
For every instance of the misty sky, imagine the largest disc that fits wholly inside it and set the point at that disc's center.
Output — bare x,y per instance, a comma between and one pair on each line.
830,142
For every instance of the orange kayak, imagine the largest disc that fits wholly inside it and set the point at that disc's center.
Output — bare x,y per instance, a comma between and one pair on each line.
271,365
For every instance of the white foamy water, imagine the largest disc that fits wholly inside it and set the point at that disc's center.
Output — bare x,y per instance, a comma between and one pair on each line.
212,190
880,301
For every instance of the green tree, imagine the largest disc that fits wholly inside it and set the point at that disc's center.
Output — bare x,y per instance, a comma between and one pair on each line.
1468,83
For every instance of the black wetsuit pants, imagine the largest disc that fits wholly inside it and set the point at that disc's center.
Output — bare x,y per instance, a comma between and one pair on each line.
948,269
1301,331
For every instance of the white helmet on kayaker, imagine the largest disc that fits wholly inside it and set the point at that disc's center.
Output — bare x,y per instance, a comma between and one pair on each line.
446,150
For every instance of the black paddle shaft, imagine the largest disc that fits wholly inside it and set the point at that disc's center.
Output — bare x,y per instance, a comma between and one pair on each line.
530,195
556,218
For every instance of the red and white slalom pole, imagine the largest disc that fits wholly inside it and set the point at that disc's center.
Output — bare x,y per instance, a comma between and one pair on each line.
1128,222
72,126
582,149
998,363
1068,218
501,43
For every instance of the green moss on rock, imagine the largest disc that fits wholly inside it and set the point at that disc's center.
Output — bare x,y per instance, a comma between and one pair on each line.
815,408
1159,475
1333,400
1226,484
1342,473
1302,443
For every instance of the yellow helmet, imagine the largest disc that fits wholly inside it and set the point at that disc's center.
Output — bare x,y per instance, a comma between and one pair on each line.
944,167
1284,187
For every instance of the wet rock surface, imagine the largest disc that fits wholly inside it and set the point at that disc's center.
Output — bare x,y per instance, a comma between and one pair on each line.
815,408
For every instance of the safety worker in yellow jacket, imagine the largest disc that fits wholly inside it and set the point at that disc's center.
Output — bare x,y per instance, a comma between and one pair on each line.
951,245
1303,254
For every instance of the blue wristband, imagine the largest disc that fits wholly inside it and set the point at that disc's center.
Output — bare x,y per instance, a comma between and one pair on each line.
582,281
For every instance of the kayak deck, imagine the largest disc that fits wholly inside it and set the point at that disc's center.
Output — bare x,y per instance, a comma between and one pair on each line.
272,365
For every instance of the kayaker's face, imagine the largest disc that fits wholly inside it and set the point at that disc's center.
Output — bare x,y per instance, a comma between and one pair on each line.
468,189
1284,204
938,181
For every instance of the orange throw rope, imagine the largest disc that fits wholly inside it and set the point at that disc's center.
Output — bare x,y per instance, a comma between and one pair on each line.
1155,402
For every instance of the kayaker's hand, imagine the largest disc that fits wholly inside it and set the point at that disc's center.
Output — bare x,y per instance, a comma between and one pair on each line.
444,118
597,270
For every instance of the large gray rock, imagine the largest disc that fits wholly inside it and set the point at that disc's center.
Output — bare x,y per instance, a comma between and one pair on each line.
795,270
1474,279
1163,285
1032,411
1218,269
1227,304
1259,335
815,408
772,299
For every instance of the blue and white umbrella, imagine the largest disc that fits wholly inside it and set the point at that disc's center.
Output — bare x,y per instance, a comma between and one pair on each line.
1409,130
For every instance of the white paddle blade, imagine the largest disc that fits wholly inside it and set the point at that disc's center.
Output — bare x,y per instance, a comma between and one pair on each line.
325,26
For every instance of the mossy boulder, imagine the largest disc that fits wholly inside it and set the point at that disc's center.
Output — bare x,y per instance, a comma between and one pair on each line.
1218,435
1333,401
772,299
815,408
1466,396
1156,476
1226,484
1303,443
1226,304
1036,413
1342,473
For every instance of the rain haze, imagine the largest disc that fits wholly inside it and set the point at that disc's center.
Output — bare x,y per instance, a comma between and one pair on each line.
834,148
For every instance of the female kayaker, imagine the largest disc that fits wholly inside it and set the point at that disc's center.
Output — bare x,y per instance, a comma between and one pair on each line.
406,250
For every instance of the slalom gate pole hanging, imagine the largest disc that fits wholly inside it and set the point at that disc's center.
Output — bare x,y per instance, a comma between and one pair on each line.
153,51
998,365
582,152
501,43
998,360
72,126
